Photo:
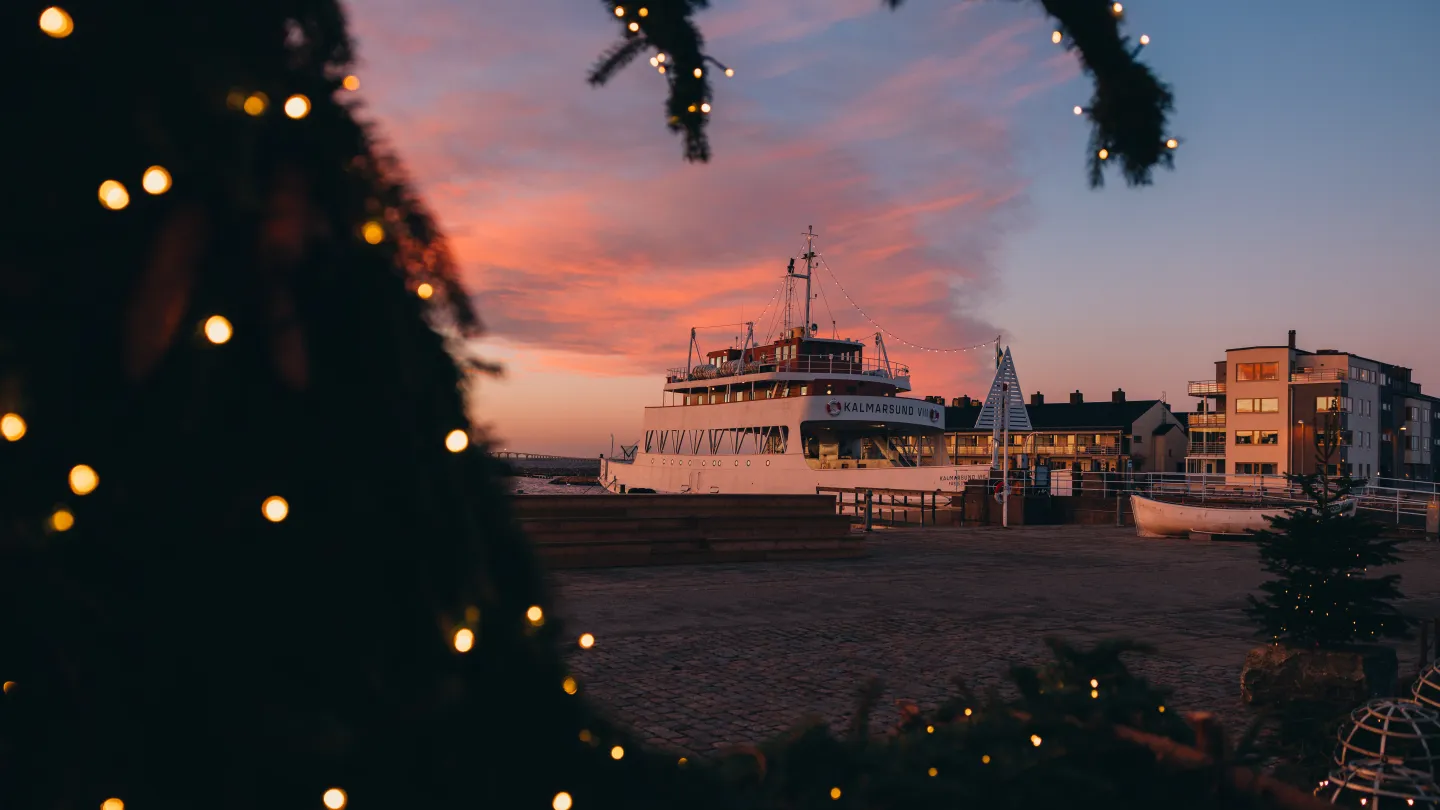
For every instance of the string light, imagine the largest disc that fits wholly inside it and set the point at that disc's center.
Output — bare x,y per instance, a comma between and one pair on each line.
83,479
1056,36
660,57
969,712
929,729
1162,709
887,332
587,641
1172,143
1118,9
351,82
113,195
256,103
1079,110
729,73
985,759
218,329
705,108
585,735
1035,740
335,799
275,508
8,686
933,772
155,180
562,799
617,753
634,26
654,62
570,686
56,22
1144,39
683,761
12,427
464,640
1094,693
456,441
1104,153
619,11
373,232
535,615
699,73
297,106
834,792
661,69
1094,684
112,804
424,291
61,520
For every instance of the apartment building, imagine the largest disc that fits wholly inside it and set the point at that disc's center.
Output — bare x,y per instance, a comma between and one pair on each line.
1267,409
1118,435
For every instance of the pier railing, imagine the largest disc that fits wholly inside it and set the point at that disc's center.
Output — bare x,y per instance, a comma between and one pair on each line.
894,507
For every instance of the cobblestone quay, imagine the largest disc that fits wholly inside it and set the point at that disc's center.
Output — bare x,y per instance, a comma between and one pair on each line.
702,656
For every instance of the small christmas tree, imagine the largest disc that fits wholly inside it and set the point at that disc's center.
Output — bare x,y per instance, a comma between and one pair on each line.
1319,555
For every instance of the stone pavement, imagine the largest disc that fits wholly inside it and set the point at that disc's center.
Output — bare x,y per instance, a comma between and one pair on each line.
696,657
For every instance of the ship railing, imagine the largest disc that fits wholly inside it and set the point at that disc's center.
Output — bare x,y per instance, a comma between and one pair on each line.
816,364
894,507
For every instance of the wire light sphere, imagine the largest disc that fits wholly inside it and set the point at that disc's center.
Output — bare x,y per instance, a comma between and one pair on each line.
1426,689
1374,785
1400,731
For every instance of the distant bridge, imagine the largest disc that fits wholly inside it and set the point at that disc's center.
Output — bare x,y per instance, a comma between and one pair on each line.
544,464
515,454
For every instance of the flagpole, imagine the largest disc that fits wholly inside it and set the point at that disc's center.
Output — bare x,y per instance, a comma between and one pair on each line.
1005,470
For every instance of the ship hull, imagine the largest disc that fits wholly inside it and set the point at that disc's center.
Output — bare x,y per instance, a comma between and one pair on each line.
779,474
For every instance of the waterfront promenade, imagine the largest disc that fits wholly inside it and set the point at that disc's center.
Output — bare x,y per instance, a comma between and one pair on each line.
700,656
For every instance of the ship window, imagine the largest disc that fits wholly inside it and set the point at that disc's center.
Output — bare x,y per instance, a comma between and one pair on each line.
804,390
828,390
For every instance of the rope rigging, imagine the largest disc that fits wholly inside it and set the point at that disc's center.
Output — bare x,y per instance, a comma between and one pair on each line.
887,333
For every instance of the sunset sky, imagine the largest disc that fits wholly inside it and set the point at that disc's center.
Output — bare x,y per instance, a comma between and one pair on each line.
935,152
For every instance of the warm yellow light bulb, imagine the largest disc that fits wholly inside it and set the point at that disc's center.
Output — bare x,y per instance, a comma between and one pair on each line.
297,106
535,615
933,772
83,479
256,103
691,108
969,712
929,729
562,801
456,441
335,799
1094,693
1056,36
699,73
634,26
619,11
834,792
1117,8
61,520
1144,39
660,56
351,82
617,753
464,640
1172,143
654,62
662,70
985,759
218,329
113,195
705,108
8,686
1079,110
1035,740
57,23
373,232
729,72
585,735
570,686
424,290
644,12
1094,683
1104,153
12,427
112,804
1162,709
155,180
587,641
275,508
683,761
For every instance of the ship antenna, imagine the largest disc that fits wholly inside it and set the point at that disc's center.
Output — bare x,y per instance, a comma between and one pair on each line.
809,266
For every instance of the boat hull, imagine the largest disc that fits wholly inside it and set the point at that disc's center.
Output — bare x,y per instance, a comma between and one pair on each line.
773,473
1163,519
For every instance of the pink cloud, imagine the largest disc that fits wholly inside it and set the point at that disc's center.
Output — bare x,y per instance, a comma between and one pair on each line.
585,238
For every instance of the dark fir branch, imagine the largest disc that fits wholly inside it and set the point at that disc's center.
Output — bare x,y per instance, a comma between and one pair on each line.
1128,110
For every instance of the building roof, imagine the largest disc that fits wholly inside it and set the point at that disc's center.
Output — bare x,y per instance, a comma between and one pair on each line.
1166,427
1063,415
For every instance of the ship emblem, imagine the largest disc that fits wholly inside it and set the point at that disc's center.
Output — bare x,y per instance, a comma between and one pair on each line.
934,415
833,407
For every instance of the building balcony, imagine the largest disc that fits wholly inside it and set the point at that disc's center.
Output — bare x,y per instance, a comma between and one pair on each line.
1213,420
1213,449
1306,375
1205,388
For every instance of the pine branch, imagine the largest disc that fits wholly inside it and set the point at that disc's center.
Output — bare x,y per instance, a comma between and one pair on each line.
1129,108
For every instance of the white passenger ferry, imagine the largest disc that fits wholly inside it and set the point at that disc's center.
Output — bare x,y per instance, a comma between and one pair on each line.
788,416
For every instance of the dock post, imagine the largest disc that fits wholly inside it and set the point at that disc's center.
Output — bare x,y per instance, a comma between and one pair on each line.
868,512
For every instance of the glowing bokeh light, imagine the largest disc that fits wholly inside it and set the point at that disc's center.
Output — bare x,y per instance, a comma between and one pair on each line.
218,329
464,640
335,799
456,440
56,22
83,479
62,520
113,195
275,509
155,180
12,427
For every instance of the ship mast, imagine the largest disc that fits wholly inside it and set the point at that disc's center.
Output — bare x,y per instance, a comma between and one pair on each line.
790,282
